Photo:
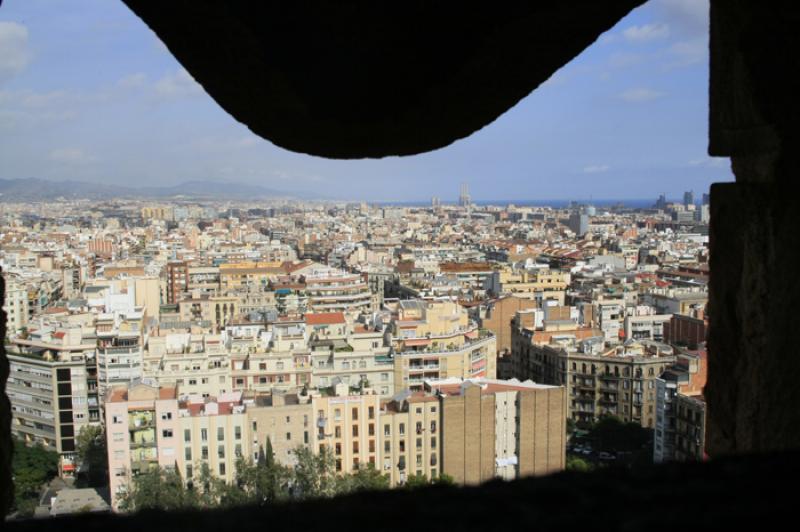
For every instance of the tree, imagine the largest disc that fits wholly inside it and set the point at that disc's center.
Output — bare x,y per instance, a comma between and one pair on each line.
265,481
92,455
443,480
416,481
32,467
575,463
365,478
158,488
314,475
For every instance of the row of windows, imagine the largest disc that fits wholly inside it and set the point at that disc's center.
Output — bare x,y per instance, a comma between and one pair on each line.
187,433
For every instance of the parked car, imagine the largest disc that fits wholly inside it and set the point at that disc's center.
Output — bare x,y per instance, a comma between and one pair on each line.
606,456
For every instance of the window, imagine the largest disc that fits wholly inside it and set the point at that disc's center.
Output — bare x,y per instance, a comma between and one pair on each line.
221,451
387,430
222,469
187,435
337,415
355,446
371,429
384,377
355,414
337,432
355,430
192,382
237,432
387,447
238,450
254,426
402,446
433,426
433,443
288,436
220,433
305,436
204,452
402,430
419,427
116,419
419,461
166,433
204,434
337,449
188,453
166,416
189,471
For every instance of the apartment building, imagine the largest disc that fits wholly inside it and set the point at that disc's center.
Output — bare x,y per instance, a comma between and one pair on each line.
539,284
435,339
142,431
219,310
681,413
410,436
248,275
15,305
646,326
330,290
500,429
347,425
52,387
617,380
196,363
498,315
285,419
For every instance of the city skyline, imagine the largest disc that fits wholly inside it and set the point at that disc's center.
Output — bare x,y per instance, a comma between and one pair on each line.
626,119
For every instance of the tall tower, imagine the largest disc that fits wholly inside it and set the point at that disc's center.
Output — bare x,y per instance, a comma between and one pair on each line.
463,199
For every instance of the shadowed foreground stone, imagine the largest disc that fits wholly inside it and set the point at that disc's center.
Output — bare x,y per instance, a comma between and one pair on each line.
362,78
724,493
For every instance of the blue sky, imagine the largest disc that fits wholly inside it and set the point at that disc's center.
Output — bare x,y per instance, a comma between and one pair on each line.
88,92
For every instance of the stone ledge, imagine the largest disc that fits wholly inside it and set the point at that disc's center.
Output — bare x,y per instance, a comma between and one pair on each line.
732,491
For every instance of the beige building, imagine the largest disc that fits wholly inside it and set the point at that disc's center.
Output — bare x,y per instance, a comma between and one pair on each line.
542,284
286,419
15,305
348,426
600,380
434,340
410,432
248,275
505,429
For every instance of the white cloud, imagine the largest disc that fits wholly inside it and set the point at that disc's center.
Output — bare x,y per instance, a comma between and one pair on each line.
624,59
71,156
133,81
647,32
689,52
178,85
14,53
689,17
710,162
596,169
640,94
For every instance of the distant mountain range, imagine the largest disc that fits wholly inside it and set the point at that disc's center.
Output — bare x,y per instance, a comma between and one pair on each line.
34,189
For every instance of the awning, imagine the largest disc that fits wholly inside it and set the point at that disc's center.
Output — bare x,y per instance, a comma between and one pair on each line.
414,342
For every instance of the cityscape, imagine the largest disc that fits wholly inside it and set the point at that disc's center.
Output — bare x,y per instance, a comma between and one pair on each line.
332,347
291,265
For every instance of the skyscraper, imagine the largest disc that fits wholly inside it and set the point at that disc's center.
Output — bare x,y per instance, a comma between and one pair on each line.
464,199
688,198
